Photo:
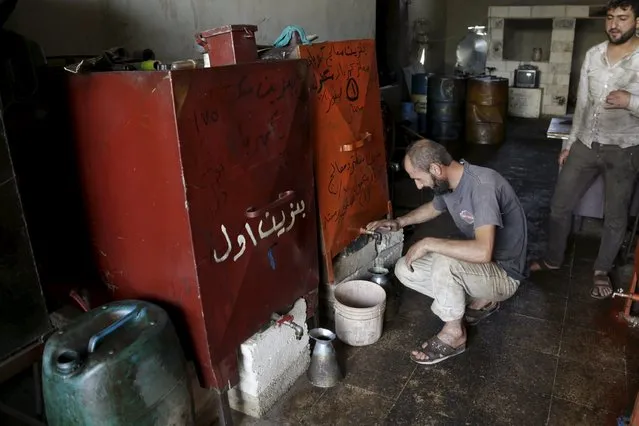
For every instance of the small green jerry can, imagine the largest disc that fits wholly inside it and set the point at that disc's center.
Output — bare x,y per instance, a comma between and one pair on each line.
118,365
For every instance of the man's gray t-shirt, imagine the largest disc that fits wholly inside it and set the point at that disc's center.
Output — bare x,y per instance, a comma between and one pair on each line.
483,197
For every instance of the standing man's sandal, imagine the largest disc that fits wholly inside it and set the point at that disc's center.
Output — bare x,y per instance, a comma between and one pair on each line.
602,287
474,316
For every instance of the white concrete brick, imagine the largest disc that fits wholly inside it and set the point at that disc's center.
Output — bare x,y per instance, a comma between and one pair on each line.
548,11
498,11
577,11
546,78
524,103
561,46
554,110
559,68
560,58
563,23
558,90
497,34
562,35
512,65
562,79
269,364
495,24
542,66
519,11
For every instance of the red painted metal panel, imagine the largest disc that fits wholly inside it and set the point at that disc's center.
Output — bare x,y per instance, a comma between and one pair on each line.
200,195
347,132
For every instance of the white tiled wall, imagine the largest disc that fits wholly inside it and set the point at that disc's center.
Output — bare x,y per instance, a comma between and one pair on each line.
555,74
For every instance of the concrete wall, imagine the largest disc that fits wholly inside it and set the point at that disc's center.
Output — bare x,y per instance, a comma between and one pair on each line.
461,14
65,27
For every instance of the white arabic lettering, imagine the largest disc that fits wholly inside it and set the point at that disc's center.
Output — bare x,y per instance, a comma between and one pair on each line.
277,227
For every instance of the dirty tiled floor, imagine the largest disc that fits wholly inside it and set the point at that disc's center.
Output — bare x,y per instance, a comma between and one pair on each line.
551,355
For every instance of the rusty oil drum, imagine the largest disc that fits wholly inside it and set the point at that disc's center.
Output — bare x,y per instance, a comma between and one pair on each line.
446,110
118,365
486,108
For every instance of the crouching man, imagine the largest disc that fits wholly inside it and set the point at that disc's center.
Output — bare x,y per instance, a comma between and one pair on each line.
466,278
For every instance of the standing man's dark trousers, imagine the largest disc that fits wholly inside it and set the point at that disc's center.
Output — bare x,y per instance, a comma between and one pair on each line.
619,169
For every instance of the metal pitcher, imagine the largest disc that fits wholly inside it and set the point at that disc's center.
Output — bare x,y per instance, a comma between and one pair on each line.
324,371
383,277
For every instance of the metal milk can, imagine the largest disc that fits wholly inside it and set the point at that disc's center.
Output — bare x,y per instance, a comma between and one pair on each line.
324,371
383,277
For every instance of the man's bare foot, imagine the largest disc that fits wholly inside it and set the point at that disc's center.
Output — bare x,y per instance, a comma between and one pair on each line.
450,341
542,265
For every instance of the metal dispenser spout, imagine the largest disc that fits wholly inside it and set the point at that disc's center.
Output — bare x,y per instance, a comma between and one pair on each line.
288,320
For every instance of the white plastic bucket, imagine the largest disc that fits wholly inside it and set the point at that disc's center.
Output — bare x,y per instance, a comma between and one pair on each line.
359,312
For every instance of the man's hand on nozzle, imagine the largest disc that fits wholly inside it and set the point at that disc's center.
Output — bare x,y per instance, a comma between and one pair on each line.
384,225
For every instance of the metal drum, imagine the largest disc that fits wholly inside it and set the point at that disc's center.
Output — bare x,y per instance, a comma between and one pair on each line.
419,84
486,108
117,365
446,110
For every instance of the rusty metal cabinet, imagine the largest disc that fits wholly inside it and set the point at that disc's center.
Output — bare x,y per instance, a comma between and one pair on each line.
199,191
347,132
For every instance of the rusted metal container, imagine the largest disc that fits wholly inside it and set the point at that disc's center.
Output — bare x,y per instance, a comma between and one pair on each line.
486,109
199,191
347,133
229,45
446,111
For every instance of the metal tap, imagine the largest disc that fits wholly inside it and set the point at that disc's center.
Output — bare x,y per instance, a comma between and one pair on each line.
620,293
375,234
288,320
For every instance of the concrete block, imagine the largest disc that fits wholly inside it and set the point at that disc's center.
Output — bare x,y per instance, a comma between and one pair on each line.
554,110
562,79
495,24
563,35
348,265
559,68
561,46
496,34
578,11
524,103
496,50
558,91
512,65
519,11
542,66
269,364
564,24
546,78
548,11
498,11
560,58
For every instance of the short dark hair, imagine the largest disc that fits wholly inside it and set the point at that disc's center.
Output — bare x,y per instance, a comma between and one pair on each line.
624,5
424,152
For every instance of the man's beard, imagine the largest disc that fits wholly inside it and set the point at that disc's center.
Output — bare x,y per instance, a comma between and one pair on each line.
624,36
440,186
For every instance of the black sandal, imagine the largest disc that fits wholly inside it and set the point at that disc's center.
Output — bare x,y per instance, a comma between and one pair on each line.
474,316
437,351
544,266
601,281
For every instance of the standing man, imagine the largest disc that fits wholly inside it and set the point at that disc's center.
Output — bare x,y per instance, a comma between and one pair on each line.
604,139
464,277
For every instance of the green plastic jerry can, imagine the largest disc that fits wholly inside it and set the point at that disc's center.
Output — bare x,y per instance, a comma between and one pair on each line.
118,365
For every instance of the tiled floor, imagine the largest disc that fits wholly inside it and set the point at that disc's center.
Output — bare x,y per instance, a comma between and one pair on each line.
551,355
